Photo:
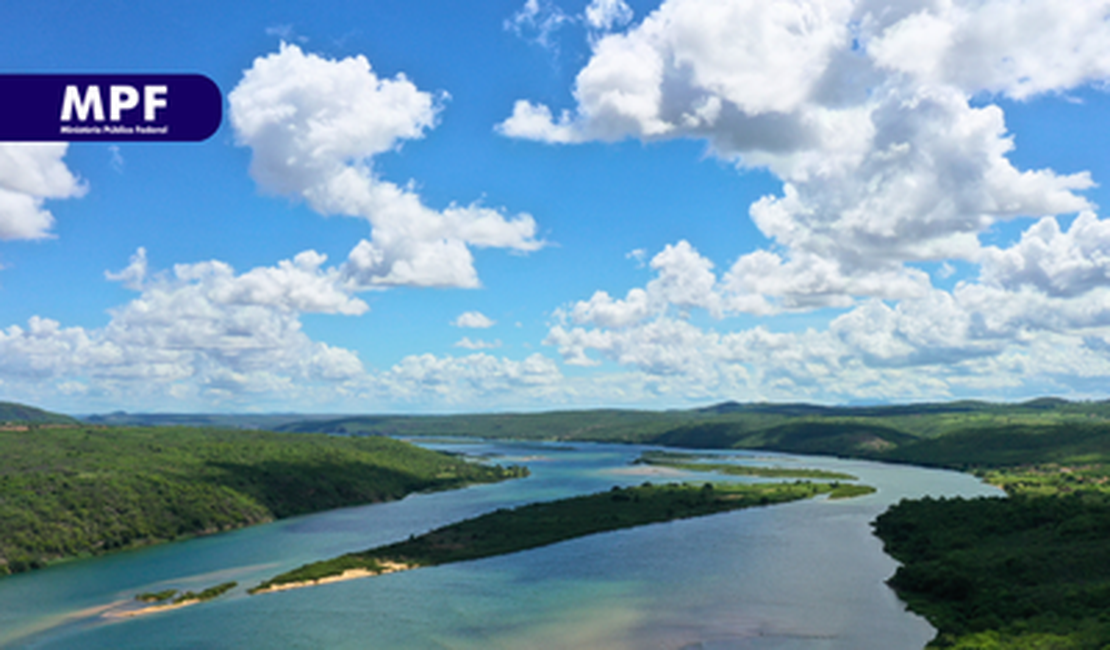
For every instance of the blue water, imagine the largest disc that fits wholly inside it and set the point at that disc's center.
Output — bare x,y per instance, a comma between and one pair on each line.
801,575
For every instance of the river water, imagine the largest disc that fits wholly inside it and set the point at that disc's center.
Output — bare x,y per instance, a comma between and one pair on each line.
805,575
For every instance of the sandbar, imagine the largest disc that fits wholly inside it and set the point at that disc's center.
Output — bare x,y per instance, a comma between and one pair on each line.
153,609
349,574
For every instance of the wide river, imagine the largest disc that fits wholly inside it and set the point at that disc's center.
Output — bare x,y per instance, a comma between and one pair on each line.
801,575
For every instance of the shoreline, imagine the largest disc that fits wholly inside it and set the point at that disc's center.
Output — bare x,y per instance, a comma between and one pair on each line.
349,574
152,609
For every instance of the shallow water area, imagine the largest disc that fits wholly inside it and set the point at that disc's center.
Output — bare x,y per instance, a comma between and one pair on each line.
806,575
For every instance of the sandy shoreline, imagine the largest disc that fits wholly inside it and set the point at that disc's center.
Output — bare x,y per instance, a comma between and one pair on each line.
153,609
349,574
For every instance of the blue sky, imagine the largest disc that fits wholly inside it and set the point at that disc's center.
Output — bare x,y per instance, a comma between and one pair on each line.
433,206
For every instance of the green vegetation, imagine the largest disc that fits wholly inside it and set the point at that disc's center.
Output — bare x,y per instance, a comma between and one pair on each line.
1022,572
71,492
801,428
19,414
1029,571
207,594
849,490
265,421
540,524
156,596
1050,479
691,462
959,435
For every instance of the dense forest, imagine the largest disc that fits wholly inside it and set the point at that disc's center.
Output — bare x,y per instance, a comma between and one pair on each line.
69,491
1023,572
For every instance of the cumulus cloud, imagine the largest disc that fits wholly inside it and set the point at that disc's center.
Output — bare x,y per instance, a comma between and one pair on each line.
473,319
878,120
314,125
204,335
862,110
607,14
477,344
462,380
1058,263
538,21
202,331
1019,49
1014,332
134,274
30,174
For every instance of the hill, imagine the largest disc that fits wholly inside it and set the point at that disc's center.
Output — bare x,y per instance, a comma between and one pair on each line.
918,433
78,491
12,413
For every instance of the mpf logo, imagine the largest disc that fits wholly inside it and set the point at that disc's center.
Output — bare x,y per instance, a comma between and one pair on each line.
108,107
123,98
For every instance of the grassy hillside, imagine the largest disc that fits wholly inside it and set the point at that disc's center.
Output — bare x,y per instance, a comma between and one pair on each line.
871,431
67,492
611,425
20,414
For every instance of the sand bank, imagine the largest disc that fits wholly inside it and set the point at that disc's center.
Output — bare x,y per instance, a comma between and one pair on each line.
349,574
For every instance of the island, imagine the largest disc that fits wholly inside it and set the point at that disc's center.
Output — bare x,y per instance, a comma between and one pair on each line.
696,463
165,600
540,524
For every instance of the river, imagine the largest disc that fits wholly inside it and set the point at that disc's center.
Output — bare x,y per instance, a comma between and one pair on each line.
805,575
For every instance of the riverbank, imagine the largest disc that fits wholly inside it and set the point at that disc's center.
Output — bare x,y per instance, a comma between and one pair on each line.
84,491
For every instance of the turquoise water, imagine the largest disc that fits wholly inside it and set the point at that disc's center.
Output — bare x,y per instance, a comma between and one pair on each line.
802,575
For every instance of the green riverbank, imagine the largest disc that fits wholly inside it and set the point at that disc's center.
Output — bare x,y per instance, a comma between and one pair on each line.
82,491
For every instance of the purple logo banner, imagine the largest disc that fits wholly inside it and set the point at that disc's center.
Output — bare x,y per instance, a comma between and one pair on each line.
109,108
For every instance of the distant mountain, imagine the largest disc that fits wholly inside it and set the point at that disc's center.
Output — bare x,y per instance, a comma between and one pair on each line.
23,414
220,420
883,410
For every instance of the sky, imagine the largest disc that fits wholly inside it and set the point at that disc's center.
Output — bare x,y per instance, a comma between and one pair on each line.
428,206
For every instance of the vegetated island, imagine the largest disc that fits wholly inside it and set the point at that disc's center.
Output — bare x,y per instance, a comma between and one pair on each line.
540,524
165,600
694,462
81,490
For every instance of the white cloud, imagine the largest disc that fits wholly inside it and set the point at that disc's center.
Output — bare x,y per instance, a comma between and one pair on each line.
473,319
314,125
1036,322
30,174
477,344
607,14
116,160
472,379
538,21
202,332
1019,49
1063,264
535,122
134,275
862,110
